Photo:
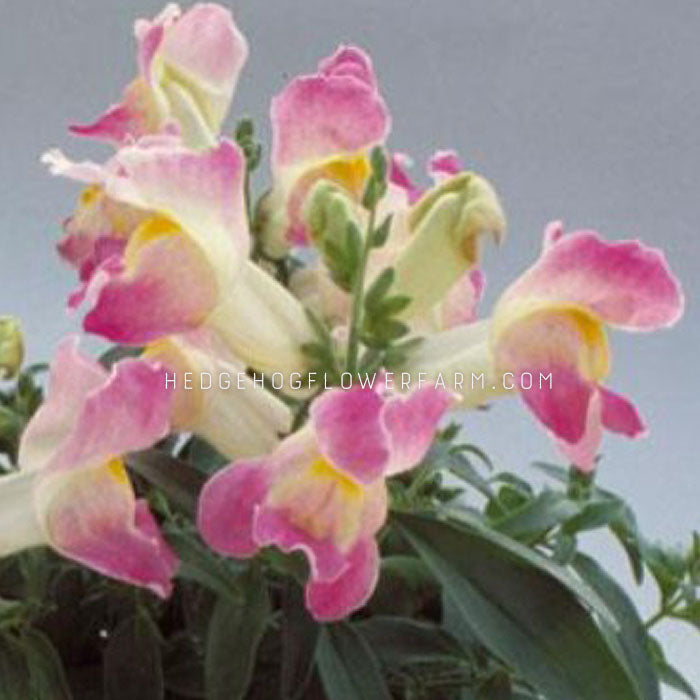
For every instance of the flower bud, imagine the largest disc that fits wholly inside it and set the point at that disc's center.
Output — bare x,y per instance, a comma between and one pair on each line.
11,347
332,219
446,225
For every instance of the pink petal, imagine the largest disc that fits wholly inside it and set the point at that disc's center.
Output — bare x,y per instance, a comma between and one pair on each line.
620,415
273,526
351,61
625,283
563,408
227,507
582,452
149,35
412,423
606,410
337,110
398,175
444,164
91,516
553,231
202,191
73,377
462,301
90,415
350,432
168,288
206,46
334,600
129,119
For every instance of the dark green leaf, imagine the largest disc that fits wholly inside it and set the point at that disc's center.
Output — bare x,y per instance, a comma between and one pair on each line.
526,610
299,638
378,289
204,456
178,479
378,162
14,673
347,665
537,517
404,585
234,634
381,234
667,566
496,687
630,632
132,661
400,641
668,674
392,305
184,667
48,679
199,563
595,514
564,548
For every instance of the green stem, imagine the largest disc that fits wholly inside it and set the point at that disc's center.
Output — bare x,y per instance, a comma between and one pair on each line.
666,610
358,296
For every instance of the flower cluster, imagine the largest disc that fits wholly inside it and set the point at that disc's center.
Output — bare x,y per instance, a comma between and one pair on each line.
173,259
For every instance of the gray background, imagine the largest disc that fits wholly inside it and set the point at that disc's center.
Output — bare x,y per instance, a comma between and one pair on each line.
585,111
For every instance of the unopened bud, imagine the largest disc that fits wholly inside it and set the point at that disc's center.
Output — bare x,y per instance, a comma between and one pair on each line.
11,347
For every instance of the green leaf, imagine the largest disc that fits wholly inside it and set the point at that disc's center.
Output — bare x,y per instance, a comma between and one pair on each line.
14,673
381,233
371,195
553,470
378,289
526,610
667,566
378,162
496,687
392,305
9,611
631,633
233,637
668,674
299,638
48,678
564,548
132,661
537,517
595,514
184,667
199,563
205,457
401,641
178,479
347,665
404,586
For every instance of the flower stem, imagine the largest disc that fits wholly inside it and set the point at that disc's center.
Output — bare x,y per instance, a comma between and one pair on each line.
666,610
358,296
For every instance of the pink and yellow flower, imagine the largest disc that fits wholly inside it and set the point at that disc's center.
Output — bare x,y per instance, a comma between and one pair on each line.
323,491
72,491
323,127
188,69
551,322
185,267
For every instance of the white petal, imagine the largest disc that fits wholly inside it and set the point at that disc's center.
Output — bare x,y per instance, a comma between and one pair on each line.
19,526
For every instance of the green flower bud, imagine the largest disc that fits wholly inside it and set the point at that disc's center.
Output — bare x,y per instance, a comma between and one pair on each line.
11,347
331,218
446,226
